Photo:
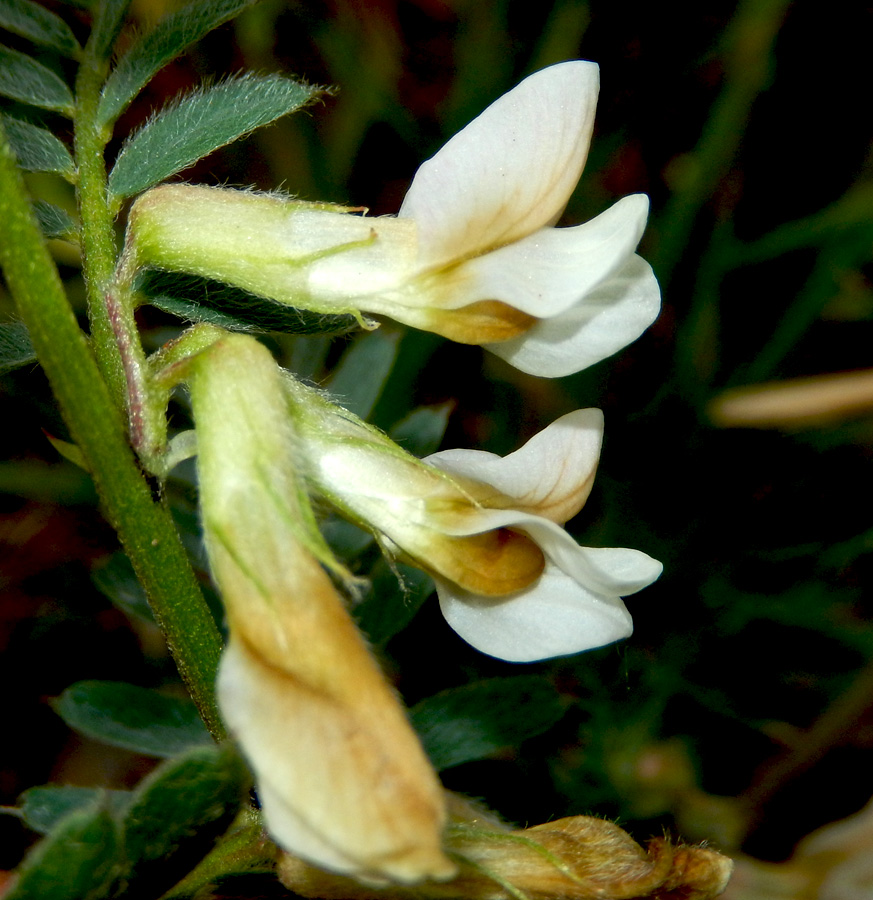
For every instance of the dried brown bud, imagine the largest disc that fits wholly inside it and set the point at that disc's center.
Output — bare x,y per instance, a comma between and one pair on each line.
578,858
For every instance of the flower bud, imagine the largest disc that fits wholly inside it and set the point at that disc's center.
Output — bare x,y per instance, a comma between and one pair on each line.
341,776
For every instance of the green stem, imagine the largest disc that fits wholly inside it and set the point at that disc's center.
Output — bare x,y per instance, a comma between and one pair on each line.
145,527
99,249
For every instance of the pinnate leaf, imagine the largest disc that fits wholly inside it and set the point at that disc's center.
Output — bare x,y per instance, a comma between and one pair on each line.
477,720
170,37
132,717
201,122
24,79
37,149
39,25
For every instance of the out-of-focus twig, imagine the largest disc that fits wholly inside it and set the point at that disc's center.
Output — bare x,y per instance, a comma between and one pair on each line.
798,402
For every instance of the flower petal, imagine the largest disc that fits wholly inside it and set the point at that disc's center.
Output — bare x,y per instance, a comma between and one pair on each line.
608,318
551,270
510,171
610,570
613,570
334,779
556,616
550,476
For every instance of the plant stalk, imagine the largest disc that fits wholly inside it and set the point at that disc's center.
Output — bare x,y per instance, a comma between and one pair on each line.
144,526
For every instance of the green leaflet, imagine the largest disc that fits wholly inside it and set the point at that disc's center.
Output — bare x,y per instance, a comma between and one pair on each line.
43,807
199,123
24,79
132,717
477,720
391,604
37,24
421,432
177,812
15,347
102,843
170,37
203,300
37,149
77,861
53,221
358,380
108,19
116,580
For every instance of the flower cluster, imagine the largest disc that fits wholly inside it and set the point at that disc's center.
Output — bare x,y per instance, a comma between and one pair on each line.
473,255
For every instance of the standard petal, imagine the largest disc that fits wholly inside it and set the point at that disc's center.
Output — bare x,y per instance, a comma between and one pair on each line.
550,476
510,171
551,270
556,616
608,318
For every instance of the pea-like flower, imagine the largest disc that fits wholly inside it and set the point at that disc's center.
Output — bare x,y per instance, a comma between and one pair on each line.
511,581
472,254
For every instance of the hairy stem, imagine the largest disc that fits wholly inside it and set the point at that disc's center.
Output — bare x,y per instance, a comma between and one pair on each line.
144,526
99,249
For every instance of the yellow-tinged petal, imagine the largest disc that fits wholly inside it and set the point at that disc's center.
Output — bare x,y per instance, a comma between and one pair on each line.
341,776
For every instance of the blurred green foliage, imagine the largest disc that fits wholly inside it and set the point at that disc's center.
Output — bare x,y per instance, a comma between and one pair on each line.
749,675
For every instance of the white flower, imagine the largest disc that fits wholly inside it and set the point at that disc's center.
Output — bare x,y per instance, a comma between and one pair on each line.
472,254
575,604
484,207
511,581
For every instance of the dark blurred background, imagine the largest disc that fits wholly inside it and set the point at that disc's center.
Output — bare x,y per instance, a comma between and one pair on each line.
741,711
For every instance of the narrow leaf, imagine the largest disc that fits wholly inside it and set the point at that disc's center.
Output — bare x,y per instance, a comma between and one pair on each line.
170,37
24,79
77,860
132,717
203,300
360,377
43,807
54,222
108,19
37,24
199,123
477,720
15,347
37,149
